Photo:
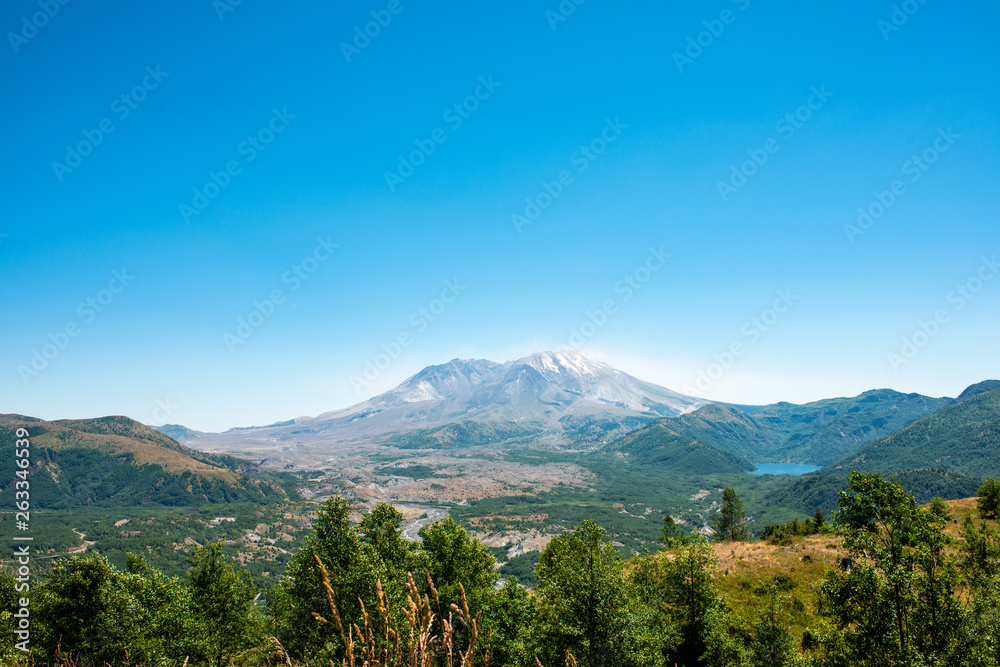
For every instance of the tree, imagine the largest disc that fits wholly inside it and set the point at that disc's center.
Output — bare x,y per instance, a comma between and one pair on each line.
9,605
99,613
354,569
731,522
455,561
506,619
694,607
898,604
585,606
989,498
223,601
673,535
939,508
771,643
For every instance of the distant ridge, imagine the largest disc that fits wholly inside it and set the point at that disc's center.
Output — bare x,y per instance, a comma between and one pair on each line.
963,437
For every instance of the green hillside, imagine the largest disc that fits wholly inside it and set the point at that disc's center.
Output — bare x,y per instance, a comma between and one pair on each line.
820,490
118,462
659,445
819,433
963,437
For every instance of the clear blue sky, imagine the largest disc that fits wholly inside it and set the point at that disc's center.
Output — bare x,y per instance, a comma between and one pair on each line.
661,132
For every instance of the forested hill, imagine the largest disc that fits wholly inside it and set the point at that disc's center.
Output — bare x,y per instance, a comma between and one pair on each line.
963,437
116,462
658,444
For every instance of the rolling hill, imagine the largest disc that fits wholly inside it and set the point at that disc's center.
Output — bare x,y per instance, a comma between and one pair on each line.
115,461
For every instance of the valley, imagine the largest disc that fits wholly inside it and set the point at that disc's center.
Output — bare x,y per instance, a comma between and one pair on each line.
517,452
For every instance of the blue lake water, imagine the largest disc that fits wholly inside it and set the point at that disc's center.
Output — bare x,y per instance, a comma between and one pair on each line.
783,469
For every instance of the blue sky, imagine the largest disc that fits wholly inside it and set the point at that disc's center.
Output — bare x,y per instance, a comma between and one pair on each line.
249,157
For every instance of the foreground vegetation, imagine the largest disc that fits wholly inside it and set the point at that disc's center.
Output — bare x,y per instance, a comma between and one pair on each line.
889,583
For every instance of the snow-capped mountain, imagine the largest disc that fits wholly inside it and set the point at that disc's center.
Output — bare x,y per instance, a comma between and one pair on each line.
557,397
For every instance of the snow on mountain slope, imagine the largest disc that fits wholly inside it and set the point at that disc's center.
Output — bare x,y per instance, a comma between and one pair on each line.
536,391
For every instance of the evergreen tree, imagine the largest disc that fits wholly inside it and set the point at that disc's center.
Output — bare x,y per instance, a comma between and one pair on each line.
222,600
353,568
731,522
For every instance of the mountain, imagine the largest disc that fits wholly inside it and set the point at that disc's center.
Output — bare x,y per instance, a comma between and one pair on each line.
115,461
178,432
556,398
963,437
946,453
658,445
823,432
819,433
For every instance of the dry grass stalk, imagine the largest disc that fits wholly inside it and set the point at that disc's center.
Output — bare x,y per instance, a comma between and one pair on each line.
379,642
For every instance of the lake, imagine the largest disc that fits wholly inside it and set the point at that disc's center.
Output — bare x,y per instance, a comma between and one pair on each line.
783,469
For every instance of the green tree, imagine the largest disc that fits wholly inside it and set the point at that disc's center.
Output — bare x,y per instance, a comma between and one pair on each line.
381,529
989,498
731,522
353,568
223,602
100,614
939,508
505,621
672,535
585,606
771,643
898,604
455,561
9,599
690,599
